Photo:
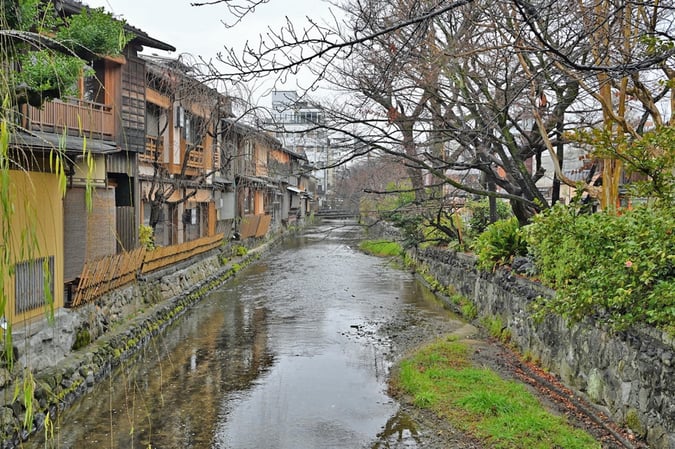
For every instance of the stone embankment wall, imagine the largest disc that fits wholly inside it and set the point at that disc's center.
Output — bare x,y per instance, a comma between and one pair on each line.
631,375
107,332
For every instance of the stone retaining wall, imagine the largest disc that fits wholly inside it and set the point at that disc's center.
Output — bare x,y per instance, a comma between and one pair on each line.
631,375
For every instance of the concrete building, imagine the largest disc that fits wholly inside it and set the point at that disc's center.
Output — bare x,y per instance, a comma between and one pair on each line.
298,124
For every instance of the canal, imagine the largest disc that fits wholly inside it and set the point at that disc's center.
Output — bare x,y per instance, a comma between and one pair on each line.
290,354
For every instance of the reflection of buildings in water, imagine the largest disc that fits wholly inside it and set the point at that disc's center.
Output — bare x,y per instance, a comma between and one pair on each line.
242,347
171,394
232,356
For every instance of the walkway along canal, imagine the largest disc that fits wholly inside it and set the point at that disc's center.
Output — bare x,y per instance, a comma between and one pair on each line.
287,355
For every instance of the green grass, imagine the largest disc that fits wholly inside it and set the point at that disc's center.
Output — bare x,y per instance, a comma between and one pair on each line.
502,414
385,248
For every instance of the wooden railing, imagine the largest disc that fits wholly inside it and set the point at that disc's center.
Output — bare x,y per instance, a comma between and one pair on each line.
196,157
167,255
75,116
106,274
154,148
101,276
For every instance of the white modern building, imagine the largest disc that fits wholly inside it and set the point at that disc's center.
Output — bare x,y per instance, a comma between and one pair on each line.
298,124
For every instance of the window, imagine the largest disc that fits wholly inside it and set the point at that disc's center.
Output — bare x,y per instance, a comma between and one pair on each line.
248,200
248,150
93,89
194,129
33,281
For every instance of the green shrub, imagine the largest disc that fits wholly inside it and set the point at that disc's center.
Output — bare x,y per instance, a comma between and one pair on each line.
82,339
469,310
146,237
53,73
480,214
621,267
95,30
500,242
239,251
496,328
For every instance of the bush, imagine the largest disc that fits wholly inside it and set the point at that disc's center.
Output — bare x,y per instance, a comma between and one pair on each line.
499,244
480,214
95,30
50,72
620,267
239,251
146,237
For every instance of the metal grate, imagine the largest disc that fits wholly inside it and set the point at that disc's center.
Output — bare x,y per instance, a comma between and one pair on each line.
30,280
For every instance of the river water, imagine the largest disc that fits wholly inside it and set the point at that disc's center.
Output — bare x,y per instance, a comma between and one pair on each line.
287,355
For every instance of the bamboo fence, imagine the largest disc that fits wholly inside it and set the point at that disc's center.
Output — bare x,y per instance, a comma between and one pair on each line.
111,272
106,274
168,255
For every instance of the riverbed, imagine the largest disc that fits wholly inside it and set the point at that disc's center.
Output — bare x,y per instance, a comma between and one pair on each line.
293,353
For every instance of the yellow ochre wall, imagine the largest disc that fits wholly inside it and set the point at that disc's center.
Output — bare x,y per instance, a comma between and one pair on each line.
38,206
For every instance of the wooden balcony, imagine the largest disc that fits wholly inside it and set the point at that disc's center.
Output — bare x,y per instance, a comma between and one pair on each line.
154,150
196,157
74,116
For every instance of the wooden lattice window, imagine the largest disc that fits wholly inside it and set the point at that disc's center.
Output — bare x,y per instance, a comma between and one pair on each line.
33,280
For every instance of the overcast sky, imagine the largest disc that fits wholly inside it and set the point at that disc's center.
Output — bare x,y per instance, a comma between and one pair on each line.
199,30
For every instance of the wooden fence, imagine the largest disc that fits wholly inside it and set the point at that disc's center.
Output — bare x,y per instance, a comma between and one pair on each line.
76,116
111,272
167,255
106,274
249,226
255,226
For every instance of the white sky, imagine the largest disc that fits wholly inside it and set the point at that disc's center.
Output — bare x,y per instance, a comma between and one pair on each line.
200,31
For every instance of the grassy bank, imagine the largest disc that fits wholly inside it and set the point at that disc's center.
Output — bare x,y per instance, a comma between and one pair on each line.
503,414
384,248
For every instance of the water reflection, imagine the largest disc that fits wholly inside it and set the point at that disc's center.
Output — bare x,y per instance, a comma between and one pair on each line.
287,356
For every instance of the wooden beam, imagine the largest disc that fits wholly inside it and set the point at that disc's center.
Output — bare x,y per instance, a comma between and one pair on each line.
155,97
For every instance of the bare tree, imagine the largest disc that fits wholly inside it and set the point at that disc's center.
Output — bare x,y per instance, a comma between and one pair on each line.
200,108
466,87
621,54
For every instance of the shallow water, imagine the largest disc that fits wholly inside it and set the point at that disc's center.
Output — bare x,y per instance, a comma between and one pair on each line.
285,356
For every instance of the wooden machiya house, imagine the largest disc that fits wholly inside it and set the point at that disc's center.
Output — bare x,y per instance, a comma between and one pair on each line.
187,191
273,187
100,131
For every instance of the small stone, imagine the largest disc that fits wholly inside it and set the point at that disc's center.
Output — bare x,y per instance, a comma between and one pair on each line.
5,377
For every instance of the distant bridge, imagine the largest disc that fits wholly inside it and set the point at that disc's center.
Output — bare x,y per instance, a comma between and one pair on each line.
337,214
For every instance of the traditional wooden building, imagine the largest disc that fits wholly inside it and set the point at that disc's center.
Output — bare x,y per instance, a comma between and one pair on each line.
98,133
184,181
